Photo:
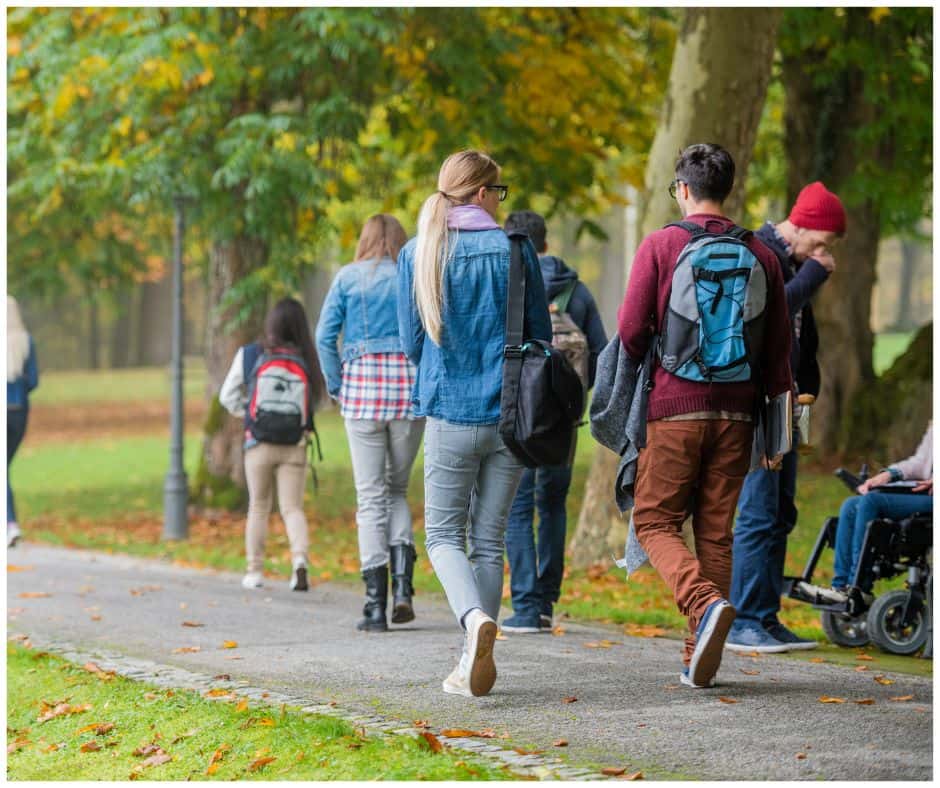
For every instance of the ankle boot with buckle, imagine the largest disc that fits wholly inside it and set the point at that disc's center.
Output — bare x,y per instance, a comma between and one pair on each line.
373,612
403,568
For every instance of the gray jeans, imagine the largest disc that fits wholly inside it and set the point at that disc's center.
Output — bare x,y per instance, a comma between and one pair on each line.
470,480
382,455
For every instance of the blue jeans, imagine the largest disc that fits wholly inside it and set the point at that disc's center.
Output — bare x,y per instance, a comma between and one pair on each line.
855,515
535,579
470,478
766,515
16,429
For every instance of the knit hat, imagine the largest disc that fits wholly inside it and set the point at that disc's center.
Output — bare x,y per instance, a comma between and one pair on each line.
817,208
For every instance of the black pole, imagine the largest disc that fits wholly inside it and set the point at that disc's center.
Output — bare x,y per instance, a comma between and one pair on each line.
176,486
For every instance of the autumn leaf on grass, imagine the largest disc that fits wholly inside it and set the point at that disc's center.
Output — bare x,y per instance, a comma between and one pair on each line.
902,698
644,631
421,724
459,733
864,657
100,728
155,760
33,594
433,742
215,760
570,699
218,692
19,744
104,675
192,624
188,735
229,644
260,763
147,749
90,746
864,701
560,743
634,776
883,680
614,771
818,659
521,751
50,712
723,699
830,699
187,649
242,705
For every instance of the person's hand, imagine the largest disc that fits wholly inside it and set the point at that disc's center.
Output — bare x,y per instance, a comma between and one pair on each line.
824,257
925,487
771,464
875,481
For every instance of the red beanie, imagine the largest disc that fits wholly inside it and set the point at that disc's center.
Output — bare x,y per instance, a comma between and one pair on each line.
817,208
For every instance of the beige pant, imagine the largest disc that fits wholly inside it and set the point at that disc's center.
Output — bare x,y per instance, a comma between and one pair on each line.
265,464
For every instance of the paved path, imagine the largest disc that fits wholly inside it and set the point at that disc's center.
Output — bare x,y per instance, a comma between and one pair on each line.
629,710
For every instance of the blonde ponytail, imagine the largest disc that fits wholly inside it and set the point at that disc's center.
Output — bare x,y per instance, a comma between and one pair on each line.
17,341
461,176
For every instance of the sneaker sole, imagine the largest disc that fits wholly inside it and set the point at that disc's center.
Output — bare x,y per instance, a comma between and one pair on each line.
703,669
522,630
482,667
450,689
760,649
683,679
801,646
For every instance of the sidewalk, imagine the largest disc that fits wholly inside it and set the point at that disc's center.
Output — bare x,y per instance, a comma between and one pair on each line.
629,710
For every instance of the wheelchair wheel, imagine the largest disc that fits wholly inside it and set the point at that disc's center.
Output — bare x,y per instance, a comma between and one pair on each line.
844,630
884,625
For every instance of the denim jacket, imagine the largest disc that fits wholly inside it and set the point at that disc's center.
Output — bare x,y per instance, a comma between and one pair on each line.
361,304
461,379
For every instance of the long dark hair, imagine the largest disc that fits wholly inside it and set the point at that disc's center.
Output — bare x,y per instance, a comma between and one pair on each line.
286,324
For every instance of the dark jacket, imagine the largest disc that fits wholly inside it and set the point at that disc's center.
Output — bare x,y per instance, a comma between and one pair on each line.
582,308
800,282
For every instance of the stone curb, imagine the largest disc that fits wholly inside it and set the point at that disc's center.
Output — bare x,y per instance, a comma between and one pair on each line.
531,765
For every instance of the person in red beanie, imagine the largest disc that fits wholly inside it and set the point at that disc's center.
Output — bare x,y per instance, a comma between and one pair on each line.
767,512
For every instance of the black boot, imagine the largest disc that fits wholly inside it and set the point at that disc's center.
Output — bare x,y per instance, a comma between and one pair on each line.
373,612
403,570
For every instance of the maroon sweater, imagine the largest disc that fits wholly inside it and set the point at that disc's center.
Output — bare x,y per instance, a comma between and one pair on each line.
646,301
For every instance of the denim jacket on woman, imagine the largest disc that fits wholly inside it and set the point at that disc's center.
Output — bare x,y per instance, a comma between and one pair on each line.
460,380
362,304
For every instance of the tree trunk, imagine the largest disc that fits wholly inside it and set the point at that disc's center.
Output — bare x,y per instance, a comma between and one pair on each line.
220,480
156,308
717,86
121,330
910,257
94,332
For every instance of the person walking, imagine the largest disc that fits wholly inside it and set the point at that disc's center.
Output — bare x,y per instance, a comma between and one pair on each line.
699,421
22,378
373,381
803,244
275,384
453,279
536,571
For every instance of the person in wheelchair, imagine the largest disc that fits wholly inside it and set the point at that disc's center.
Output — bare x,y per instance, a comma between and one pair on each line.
898,491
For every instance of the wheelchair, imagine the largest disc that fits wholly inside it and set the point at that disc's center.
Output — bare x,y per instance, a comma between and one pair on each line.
898,621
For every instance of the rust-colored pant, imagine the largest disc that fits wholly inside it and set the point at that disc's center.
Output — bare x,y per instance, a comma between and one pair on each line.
692,467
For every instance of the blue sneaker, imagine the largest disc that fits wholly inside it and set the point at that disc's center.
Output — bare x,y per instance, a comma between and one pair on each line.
752,637
709,641
521,625
784,635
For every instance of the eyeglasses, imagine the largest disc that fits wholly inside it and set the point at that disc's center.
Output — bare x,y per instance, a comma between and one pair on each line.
672,187
502,189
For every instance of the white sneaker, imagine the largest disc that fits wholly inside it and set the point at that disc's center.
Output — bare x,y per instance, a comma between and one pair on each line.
298,578
456,683
253,580
481,635
13,534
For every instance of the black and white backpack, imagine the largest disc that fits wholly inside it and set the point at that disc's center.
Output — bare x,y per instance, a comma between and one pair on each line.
280,406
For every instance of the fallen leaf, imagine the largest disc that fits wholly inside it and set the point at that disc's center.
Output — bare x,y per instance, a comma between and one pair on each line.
242,705
15,568
560,743
189,734
864,701
266,721
260,763
749,672
230,644
641,725
883,680
33,595
865,657
90,746
144,589
96,618
421,724
218,692
801,756
614,771
232,656
433,742
818,659
571,699
459,733
723,699
150,696
222,677
19,744
487,733
526,752
187,649
51,748
634,776
156,760
644,630
100,728
61,709
558,630
215,760
192,624
829,699
902,698
861,668
670,686
147,749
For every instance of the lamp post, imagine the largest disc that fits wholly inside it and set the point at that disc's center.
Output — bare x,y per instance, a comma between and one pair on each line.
176,486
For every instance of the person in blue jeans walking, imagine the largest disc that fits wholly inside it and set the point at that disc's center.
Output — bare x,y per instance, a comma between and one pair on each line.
767,507
22,378
535,571
453,279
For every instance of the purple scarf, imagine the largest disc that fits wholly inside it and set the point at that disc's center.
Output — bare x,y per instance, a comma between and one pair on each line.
470,217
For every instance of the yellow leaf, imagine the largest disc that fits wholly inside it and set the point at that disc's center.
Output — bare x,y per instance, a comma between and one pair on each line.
187,650
883,680
726,700
14,46
877,14
230,644
15,568
864,701
829,699
123,126
260,763
242,705
902,698
286,142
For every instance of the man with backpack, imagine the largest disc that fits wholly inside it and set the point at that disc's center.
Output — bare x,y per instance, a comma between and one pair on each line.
803,244
535,571
712,294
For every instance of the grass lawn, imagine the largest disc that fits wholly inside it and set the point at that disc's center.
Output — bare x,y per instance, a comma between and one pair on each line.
220,739
888,347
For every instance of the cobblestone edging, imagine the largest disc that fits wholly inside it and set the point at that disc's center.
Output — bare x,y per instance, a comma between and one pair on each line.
533,765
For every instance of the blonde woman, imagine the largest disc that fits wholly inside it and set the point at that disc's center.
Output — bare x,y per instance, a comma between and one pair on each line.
452,283
373,381
22,378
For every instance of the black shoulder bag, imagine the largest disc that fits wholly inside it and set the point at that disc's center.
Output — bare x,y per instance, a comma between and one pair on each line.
542,397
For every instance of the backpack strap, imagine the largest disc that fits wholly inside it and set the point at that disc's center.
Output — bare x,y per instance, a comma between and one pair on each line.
251,356
515,294
563,298
740,233
690,227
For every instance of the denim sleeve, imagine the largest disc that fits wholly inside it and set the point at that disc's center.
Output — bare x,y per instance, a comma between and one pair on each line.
32,367
804,285
410,329
332,317
538,322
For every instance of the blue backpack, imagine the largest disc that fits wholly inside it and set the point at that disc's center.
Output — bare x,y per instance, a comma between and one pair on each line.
714,324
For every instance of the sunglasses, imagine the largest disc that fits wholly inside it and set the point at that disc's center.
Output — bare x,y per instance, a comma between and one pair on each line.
501,189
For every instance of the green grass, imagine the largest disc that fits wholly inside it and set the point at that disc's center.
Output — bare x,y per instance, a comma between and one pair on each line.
190,729
888,347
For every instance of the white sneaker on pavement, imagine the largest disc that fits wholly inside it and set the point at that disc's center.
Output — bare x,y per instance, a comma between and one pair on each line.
253,580
481,635
13,534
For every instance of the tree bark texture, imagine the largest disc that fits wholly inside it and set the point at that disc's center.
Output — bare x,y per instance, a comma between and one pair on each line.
717,85
220,479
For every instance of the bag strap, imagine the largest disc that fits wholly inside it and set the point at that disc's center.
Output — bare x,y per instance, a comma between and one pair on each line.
515,294
564,297
690,227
